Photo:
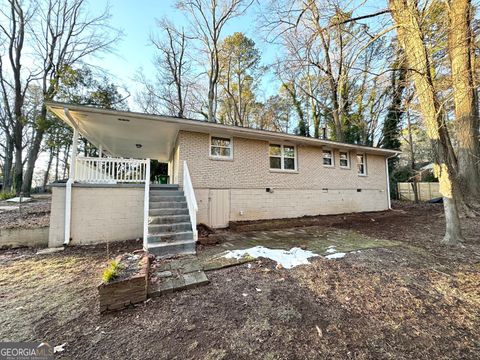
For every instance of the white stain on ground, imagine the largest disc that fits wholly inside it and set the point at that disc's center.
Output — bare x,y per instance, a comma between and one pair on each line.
287,258
331,250
338,255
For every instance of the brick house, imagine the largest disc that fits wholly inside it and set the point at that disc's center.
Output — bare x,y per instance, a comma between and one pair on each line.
216,174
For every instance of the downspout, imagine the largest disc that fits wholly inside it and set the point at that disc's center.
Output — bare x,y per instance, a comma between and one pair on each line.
388,180
71,179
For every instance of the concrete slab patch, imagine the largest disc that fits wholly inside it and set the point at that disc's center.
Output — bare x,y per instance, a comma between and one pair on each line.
18,199
50,250
169,275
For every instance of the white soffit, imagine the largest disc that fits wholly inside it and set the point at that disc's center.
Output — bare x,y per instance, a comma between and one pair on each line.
119,132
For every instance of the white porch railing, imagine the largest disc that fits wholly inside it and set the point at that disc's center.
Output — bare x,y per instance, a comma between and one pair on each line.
191,200
97,170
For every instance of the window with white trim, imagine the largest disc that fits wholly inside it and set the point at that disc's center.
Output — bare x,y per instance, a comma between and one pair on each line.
282,157
344,159
361,164
221,147
328,158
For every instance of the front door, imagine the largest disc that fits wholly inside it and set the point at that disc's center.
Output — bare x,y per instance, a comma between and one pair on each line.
219,208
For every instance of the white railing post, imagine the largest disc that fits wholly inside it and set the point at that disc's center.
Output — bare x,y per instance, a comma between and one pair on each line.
146,205
191,200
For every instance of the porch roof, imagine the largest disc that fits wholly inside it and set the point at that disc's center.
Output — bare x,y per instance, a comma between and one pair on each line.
136,135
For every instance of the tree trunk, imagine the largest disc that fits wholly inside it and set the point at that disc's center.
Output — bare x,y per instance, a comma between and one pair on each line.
32,159
461,42
18,174
8,165
412,157
57,161
47,172
411,38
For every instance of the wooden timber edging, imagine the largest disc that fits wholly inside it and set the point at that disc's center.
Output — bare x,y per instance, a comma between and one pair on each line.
118,295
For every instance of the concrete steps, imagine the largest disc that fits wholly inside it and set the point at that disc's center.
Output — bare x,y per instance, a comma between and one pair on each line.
170,237
168,211
171,249
169,228
169,219
168,205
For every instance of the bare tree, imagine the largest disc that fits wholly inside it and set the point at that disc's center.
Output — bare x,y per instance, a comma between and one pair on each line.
407,17
63,34
173,85
461,40
208,19
13,84
331,55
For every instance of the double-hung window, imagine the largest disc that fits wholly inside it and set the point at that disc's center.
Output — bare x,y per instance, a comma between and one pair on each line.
221,147
361,164
344,160
282,157
328,158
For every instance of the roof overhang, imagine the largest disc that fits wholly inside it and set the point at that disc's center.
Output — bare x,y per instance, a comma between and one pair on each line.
137,135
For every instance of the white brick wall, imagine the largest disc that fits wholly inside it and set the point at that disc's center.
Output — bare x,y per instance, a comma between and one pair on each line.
98,214
250,167
295,194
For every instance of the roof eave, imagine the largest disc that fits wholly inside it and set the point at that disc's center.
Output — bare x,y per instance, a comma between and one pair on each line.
196,125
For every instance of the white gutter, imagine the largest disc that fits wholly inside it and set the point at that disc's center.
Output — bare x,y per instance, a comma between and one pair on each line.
146,205
388,181
71,178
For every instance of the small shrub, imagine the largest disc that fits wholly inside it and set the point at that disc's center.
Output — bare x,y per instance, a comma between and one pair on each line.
111,272
6,195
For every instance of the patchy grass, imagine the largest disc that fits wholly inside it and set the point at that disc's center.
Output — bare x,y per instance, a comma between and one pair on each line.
6,195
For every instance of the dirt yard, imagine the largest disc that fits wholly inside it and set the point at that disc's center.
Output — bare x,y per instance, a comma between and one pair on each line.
33,214
414,300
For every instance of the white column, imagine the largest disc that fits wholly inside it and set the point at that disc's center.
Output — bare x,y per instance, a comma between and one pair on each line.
146,205
100,151
68,189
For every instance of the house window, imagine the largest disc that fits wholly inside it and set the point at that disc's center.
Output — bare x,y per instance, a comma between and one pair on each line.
361,164
221,147
282,157
328,158
344,160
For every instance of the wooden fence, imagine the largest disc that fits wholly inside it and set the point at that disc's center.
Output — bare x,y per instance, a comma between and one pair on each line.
425,191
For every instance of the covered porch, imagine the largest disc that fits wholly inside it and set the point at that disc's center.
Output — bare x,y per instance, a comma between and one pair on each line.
115,183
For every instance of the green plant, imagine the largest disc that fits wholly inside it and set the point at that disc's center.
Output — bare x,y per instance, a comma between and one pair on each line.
111,272
6,195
